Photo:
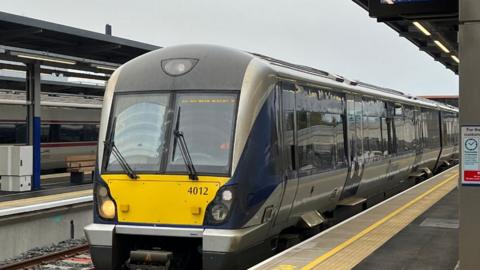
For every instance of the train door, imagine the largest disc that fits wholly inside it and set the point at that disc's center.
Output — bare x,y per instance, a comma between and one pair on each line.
355,146
289,151
438,117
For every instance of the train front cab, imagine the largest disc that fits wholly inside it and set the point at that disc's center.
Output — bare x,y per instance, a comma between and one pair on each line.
112,244
145,198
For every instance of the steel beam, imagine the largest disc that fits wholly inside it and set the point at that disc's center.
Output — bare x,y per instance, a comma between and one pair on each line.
34,119
469,39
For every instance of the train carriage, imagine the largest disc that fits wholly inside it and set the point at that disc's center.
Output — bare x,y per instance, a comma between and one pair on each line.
210,156
69,125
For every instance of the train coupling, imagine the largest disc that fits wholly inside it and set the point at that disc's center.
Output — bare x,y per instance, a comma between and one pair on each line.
149,260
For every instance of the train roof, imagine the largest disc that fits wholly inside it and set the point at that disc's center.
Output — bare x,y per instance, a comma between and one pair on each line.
15,97
359,86
226,68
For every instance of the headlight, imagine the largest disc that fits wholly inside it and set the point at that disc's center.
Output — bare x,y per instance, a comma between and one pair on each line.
106,206
177,67
227,195
219,209
219,212
107,209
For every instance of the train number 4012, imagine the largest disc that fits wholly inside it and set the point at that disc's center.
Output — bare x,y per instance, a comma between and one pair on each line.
198,190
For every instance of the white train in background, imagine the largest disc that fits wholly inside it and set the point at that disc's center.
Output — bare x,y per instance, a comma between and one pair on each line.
69,125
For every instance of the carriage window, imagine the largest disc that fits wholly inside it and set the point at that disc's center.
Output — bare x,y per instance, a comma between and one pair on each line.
399,131
375,133
431,129
341,157
7,133
321,151
390,125
398,110
304,148
366,137
385,144
71,133
90,132
45,134
409,135
21,133
320,130
375,137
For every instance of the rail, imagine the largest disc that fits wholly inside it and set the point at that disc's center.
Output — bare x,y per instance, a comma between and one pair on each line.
45,258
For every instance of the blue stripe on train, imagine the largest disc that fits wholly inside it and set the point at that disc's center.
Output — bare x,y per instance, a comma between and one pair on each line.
258,171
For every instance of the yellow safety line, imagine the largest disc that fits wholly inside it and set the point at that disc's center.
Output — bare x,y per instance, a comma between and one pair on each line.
354,238
47,198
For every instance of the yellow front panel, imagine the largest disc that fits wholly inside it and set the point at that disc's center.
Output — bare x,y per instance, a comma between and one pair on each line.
163,199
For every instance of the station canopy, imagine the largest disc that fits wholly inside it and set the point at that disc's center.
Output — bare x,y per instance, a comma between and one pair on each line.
62,51
432,25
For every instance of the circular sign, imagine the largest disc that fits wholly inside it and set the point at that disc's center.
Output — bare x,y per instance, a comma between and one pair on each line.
471,144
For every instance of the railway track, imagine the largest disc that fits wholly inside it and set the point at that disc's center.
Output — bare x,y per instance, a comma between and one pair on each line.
48,261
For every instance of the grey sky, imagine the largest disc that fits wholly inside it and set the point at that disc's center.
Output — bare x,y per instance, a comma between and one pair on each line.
333,35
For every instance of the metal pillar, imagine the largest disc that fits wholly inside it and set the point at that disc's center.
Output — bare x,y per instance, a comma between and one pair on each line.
469,42
33,119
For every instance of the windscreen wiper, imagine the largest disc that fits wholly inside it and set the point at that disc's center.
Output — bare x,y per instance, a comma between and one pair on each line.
111,148
192,173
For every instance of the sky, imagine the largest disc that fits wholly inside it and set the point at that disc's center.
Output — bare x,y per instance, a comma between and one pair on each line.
333,35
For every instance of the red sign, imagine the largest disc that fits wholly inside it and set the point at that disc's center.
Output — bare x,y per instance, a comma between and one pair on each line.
473,176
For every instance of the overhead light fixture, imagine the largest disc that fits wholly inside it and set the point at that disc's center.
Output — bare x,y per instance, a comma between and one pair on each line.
45,58
455,58
441,46
105,67
422,28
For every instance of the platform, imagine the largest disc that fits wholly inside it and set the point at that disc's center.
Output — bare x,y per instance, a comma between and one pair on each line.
404,232
51,184
66,209
56,191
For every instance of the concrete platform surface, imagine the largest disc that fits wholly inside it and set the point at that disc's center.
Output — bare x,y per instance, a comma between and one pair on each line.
51,184
429,242
350,243
57,212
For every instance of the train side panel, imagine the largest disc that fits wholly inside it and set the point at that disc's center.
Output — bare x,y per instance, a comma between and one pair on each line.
65,131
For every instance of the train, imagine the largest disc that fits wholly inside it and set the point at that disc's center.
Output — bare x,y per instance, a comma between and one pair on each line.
70,125
212,158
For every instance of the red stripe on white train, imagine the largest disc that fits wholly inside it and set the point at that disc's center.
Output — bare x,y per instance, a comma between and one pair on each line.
68,144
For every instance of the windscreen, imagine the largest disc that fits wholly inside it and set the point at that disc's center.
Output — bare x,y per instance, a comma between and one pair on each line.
206,121
138,130
142,128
